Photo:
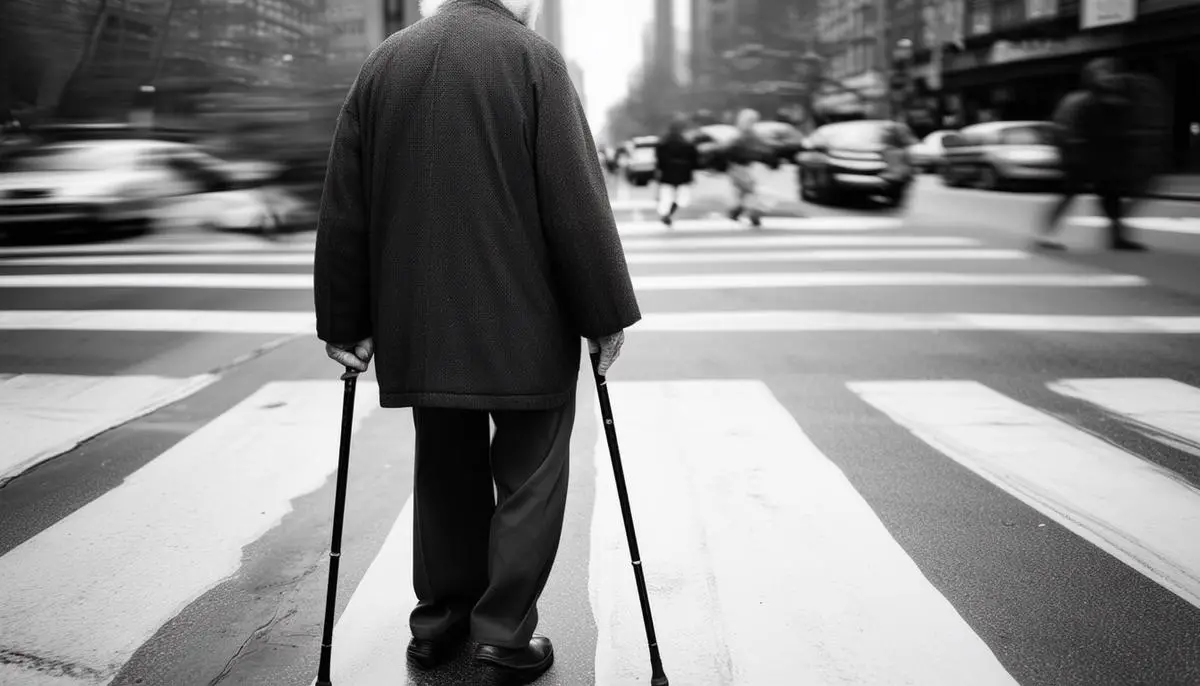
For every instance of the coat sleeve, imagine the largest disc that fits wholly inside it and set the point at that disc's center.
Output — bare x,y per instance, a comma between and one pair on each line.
577,220
341,267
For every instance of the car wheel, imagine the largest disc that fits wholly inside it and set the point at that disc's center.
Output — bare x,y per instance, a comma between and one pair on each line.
989,179
808,186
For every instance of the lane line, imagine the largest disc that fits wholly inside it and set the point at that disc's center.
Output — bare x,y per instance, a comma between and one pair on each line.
373,629
736,321
835,224
1181,225
159,247
771,241
642,283
1161,405
45,415
713,494
72,594
1134,510
725,257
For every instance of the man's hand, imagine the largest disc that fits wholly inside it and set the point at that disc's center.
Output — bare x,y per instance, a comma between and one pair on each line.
609,348
353,355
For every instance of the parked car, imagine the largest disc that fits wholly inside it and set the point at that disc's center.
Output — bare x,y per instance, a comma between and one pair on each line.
862,158
1000,155
642,162
929,155
109,184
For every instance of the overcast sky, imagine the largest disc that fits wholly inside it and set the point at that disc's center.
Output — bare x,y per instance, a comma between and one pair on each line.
605,38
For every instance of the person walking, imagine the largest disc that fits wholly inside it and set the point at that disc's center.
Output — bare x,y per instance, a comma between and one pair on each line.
742,154
1096,127
465,242
677,159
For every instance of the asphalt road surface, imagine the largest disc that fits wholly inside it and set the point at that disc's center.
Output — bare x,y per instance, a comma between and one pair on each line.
862,446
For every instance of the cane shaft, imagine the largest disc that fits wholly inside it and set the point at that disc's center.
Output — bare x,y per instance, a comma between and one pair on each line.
614,451
339,512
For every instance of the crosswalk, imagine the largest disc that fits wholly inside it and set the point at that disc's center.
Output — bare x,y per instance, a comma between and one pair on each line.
768,563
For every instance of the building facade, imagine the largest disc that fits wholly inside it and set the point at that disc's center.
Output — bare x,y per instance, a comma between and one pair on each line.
1015,59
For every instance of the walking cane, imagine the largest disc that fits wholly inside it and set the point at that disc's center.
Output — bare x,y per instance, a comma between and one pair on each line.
339,511
657,676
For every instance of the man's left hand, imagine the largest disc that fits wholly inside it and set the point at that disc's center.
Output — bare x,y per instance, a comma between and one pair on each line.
356,356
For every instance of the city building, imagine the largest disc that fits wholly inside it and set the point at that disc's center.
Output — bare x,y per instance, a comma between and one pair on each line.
855,78
1015,59
355,27
550,22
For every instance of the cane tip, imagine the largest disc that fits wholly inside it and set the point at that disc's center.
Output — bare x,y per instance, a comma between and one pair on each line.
657,681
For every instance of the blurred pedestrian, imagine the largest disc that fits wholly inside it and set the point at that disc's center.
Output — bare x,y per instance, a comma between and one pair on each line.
1096,127
741,155
465,239
677,159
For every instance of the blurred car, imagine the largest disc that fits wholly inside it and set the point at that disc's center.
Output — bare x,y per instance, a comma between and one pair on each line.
1004,154
106,184
642,164
711,142
783,139
862,158
928,155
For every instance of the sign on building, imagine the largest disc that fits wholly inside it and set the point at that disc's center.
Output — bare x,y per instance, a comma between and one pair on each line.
1040,9
1097,13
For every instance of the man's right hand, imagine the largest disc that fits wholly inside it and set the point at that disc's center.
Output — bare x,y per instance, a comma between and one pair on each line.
609,348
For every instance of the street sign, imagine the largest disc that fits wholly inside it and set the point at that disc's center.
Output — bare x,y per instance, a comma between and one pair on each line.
1097,13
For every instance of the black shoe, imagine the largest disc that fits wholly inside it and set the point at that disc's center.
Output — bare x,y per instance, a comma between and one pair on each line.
523,664
1048,244
429,653
735,213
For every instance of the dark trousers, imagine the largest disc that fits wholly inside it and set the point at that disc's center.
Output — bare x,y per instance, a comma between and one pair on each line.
477,558
1112,202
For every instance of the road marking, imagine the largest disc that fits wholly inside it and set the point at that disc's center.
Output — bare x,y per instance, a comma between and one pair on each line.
1136,511
869,279
1161,405
373,628
680,226
768,241
299,259
207,259
45,415
160,247
709,525
811,321
736,321
71,592
1184,225
642,283
818,255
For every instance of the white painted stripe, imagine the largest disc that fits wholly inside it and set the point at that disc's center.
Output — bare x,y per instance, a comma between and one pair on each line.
161,247
769,241
672,282
847,279
1162,404
1184,225
626,204
44,415
737,321
150,280
166,260
1136,511
300,259
72,593
719,474
373,630
832,255
682,226
782,321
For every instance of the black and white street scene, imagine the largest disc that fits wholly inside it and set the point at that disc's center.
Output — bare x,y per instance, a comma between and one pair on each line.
616,342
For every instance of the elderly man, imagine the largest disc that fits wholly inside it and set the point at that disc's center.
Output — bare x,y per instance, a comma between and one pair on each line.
465,239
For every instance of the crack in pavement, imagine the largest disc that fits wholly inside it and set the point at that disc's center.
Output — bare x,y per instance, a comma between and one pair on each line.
263,628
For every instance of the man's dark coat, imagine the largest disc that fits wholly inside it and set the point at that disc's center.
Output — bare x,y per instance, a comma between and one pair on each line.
677,160
465,221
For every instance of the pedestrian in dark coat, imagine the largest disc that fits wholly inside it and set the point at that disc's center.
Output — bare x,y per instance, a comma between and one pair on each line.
466,239
677,159
1097,133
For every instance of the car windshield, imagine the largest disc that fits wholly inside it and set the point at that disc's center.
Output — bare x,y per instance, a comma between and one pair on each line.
1028,135
73,158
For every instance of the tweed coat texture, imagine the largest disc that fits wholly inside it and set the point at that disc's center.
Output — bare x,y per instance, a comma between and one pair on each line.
465,222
